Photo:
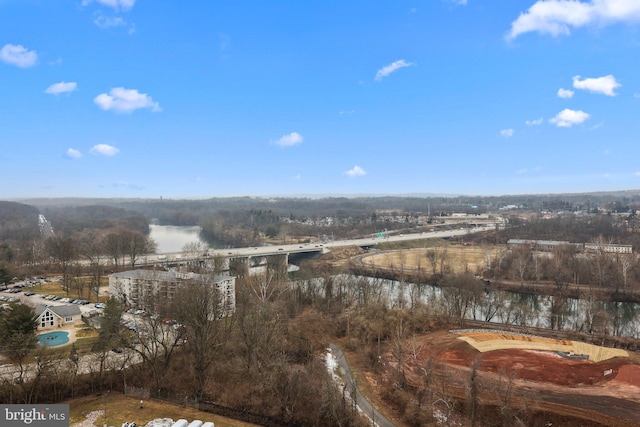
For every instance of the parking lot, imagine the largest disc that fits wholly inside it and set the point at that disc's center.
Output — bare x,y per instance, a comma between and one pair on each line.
25,292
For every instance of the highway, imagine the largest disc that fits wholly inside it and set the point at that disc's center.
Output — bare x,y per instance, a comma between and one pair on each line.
258,251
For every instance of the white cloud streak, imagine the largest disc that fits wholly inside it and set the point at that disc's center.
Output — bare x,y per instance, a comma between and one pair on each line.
356,171
388,69
536,122
567,118
123,100
507,133
605,85
104,150
72,153
558,17
565,93
18,55
105,22
114,4
62,87
289,140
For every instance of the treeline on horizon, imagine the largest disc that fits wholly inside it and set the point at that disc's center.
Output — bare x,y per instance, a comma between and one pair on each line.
245,221
187,211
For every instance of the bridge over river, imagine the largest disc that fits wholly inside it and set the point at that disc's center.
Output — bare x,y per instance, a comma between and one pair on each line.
283,251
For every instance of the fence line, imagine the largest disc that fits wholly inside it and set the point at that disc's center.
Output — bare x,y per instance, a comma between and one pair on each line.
213,408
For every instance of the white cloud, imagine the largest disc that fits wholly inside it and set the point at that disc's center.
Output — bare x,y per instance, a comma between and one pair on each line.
18,55
636,95
123,100
355,172
605,85
72,153
105,150
294,138
507,133
125,184
114,4
565,93
460,2
62,87
536,122
557,17
105,22
522,171
567,118
394,66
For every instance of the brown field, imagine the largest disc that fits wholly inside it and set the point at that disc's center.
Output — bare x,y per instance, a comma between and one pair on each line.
459,258
55,288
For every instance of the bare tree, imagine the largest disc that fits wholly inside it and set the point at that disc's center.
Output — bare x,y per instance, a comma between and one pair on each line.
521,261
135,245
113,247
472,391
64,250
626,262
192,252
399,352
156,337
432,257
199,307
92,247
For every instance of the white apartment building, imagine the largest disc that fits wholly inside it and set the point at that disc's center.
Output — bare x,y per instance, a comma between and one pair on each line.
135,287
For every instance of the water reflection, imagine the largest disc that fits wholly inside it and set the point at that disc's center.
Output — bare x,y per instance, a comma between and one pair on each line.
172,238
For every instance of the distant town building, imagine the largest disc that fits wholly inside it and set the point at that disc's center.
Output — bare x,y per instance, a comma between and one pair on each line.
135,288
541,245
550,245
609,248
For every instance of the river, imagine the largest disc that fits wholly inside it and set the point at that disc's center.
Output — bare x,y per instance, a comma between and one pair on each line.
172,238
496,306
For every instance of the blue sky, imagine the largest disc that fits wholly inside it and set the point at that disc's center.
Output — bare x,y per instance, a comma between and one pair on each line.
141,98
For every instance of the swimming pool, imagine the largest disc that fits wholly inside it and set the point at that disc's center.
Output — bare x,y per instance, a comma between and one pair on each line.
52,339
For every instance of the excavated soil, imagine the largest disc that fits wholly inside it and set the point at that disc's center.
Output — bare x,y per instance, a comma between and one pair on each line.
606,391
540,366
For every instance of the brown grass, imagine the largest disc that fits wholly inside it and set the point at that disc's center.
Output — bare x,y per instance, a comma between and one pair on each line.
459,258
55,288
120,409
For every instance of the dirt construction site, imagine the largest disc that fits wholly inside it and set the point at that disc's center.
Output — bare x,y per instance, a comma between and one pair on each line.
596,384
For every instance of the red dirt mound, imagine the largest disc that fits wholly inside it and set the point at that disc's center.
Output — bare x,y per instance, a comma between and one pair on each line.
541,366
629,374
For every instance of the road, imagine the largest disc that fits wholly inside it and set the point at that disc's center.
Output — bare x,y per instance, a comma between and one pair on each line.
363,404
313,247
